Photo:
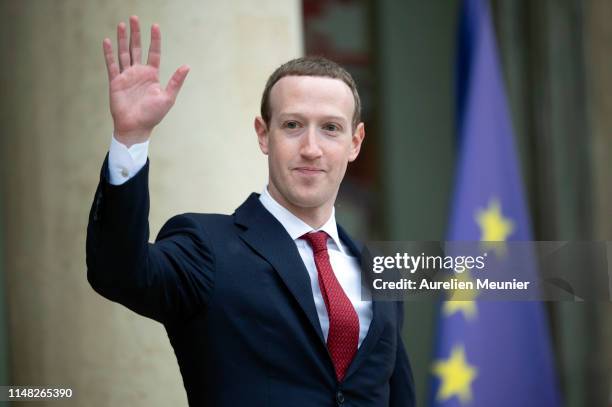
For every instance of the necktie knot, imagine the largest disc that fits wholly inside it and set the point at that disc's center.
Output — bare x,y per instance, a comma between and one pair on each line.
317,240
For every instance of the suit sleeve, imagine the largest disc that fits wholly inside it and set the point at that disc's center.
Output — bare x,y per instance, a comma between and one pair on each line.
402,382
168,280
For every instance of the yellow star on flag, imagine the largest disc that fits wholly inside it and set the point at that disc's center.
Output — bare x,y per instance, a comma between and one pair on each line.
456,376
461,300
494,227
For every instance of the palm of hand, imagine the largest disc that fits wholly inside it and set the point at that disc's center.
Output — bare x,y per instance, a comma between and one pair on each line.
137,99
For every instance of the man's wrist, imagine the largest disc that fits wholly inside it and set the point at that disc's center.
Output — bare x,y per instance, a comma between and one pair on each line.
124,162
128,138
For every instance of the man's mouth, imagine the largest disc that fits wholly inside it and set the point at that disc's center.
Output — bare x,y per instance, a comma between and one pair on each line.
307,170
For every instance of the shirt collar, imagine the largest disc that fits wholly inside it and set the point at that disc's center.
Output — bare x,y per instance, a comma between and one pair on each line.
294,225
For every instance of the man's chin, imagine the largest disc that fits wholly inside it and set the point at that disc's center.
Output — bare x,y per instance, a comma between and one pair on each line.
308,200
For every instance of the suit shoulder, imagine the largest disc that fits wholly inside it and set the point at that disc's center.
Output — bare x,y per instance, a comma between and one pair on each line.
198,222
208,219
199,216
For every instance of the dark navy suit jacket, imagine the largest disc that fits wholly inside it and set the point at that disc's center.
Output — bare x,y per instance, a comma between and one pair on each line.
235,299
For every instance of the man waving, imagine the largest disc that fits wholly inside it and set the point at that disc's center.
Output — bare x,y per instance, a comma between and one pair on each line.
262,307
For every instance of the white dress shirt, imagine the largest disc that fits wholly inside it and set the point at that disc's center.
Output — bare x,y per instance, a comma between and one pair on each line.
345,266
124,163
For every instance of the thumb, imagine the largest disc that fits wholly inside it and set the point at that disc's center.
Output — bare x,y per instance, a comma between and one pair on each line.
176,81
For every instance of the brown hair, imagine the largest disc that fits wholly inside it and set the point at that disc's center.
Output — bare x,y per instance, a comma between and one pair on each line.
310,66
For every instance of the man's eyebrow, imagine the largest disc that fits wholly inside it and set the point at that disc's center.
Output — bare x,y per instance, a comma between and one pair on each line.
330,117
336,118
290,114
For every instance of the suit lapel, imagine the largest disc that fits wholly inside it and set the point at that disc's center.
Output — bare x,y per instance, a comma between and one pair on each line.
378,310
269,239
266,236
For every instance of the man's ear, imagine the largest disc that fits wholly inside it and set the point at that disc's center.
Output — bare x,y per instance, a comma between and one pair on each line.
262,134
357,139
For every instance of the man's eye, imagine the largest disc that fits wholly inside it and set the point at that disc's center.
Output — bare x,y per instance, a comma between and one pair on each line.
291,125
331,127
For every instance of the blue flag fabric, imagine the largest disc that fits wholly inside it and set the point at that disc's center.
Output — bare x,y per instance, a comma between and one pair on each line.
489,353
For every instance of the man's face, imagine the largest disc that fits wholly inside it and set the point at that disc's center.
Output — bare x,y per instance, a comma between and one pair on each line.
309,140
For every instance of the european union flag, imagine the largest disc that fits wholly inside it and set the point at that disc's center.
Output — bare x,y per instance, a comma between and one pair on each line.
489,353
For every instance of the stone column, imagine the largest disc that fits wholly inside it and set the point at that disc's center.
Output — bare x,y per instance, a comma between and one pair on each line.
56,128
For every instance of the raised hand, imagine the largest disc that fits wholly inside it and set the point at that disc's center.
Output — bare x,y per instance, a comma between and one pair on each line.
137,100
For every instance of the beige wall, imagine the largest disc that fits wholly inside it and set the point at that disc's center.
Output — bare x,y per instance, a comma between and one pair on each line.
55,131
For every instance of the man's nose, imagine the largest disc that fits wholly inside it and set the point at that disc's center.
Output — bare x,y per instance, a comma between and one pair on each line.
310,148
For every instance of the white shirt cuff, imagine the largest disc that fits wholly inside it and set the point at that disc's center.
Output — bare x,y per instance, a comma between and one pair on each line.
123,162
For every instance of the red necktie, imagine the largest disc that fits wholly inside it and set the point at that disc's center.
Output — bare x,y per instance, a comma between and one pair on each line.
343,333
